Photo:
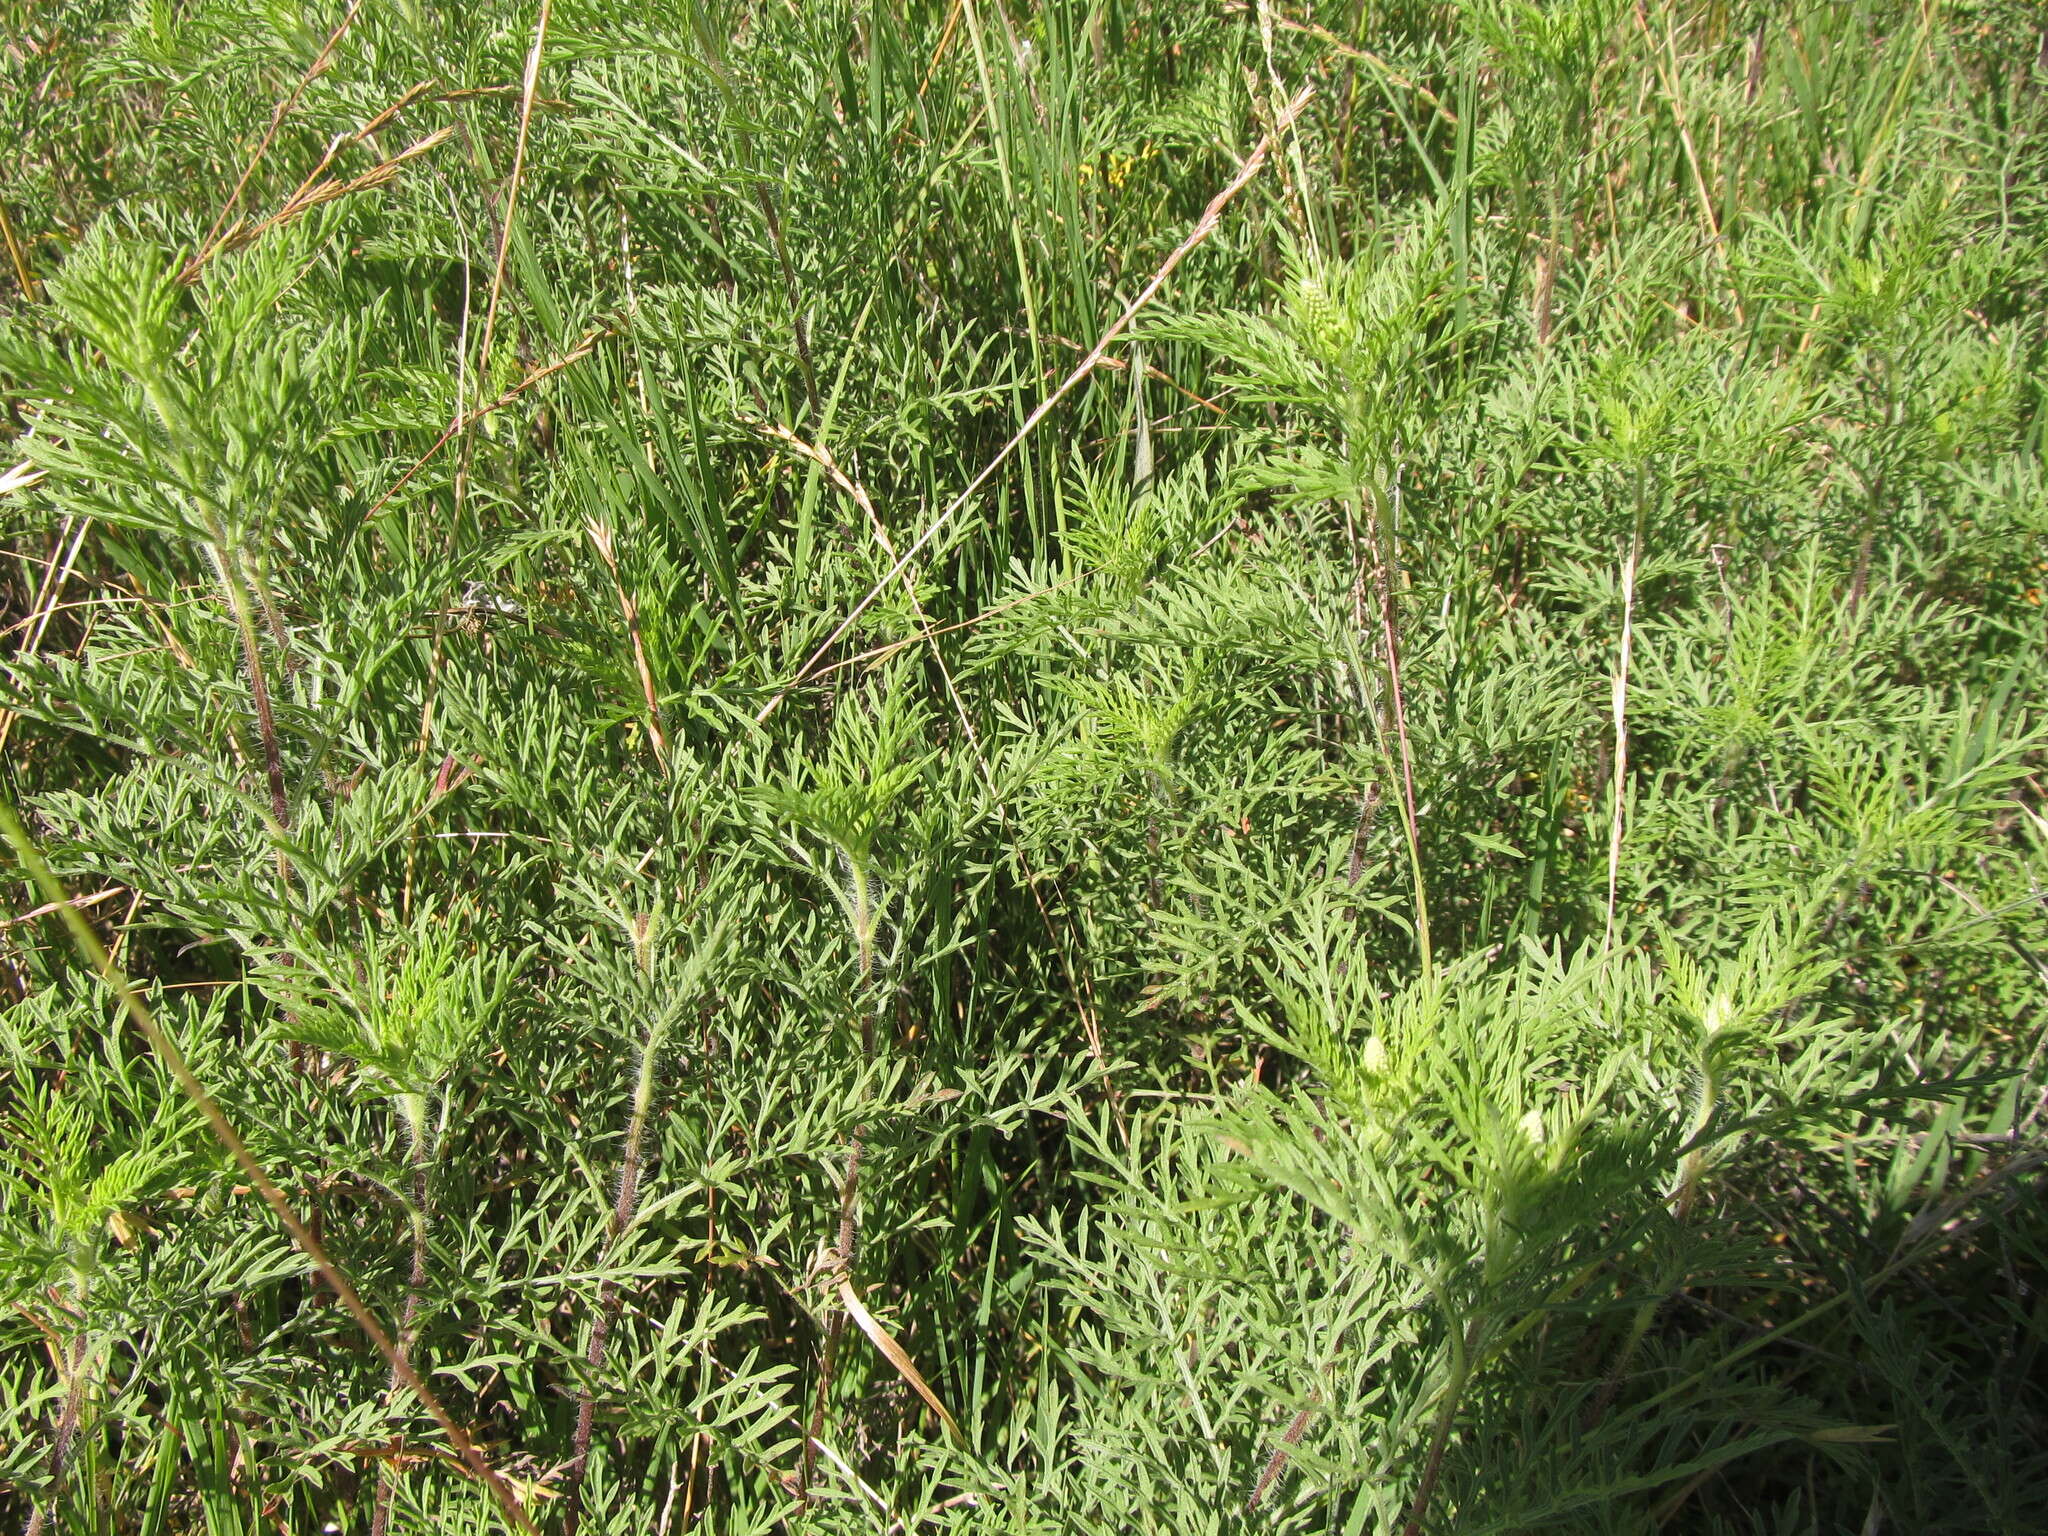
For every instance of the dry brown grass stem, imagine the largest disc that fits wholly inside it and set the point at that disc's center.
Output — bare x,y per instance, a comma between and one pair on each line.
462,423
312,191
895,1353
657,737
1293,171
857,494
48,593
1205,226
1366,56
938,53
1151,371
486,92
884,652
355,136
17,256
19,478
54,906
1667,75
77,605
310,195
318,67
528,87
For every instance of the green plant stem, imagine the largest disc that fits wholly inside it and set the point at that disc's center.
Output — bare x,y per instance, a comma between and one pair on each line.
1462,1349
863,918
413,1110
233,581
1382,538
798,327
65,1432
608,1299
999,141
1694,1163
1620,704
1638,1330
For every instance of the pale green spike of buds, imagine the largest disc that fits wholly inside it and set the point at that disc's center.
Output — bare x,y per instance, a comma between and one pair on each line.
1720,1013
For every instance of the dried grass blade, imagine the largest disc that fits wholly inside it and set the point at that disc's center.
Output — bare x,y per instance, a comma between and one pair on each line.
528,86
896,1355
318,67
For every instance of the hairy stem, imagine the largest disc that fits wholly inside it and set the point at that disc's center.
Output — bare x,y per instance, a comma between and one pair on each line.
1462,1348
1694,1163
1386,554
65,1432
835,1329
413,1107
1620,696
266,600
608,1300
234,585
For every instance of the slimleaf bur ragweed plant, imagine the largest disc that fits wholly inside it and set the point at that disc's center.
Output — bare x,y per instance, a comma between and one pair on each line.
828,769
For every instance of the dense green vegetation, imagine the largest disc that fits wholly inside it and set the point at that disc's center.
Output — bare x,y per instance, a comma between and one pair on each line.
1116,767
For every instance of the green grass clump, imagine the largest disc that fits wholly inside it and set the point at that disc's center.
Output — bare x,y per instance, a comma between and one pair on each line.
1111,767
